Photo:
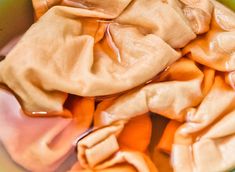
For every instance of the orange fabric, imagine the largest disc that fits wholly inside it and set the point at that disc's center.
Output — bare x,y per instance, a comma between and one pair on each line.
81,107
167,139
136,134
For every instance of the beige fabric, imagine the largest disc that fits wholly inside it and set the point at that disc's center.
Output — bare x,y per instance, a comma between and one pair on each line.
216,48
113,10
41,6
158,18
90,145
130,162
199,14
91,52
206,141
191,83
95,48
181,89
100,150
154,16
230,79
74,65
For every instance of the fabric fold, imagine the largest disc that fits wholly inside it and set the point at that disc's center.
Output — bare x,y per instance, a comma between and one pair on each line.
38,144
74,64
175,58
172,94
128,161
206,141
158,18
42,6
216,48
102,150
199,14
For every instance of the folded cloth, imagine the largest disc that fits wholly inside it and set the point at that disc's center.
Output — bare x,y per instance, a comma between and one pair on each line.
102,150
153,16
38,144
42,6
157,17
216,48
206,142
182,86
91,48
113,48
128,161
198,14
43,76
192,84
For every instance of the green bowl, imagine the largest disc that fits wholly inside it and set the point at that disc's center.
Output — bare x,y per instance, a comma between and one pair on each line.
229,3
16,16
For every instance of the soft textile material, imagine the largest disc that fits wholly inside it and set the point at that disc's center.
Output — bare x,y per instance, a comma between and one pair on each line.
41,6
74,65
38,144
101,150
216,48
206,142
146,56
91,52
182,88
215,101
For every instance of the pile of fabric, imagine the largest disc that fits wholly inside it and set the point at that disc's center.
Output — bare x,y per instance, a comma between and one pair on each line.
86,74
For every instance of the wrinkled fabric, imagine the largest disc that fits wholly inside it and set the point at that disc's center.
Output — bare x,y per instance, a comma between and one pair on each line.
84,72
156,16
122,51
38,144
198,14
176,104
151,17
146,56
41,6
206,141
182,89
216,48
102,150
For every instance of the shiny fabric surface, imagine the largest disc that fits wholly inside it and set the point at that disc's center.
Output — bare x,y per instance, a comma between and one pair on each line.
174,58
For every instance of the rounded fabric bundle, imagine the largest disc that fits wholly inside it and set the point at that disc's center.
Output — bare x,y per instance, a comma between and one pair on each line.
94,57
175,58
